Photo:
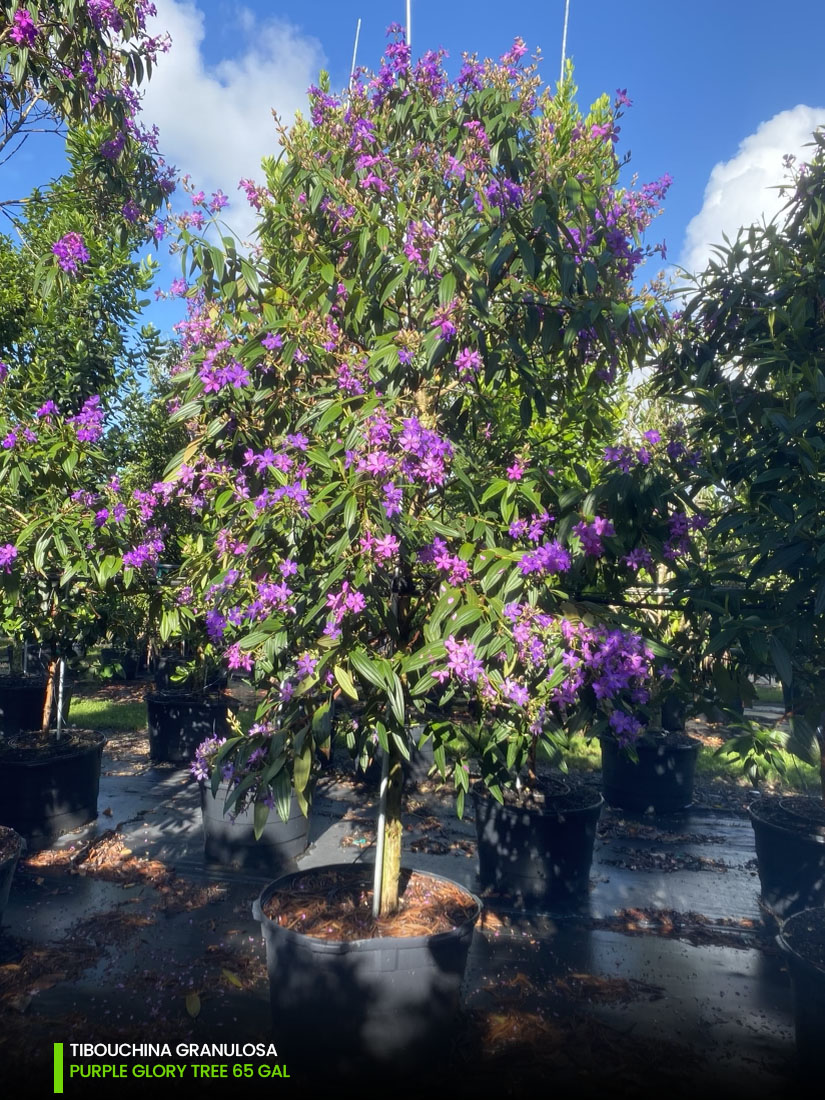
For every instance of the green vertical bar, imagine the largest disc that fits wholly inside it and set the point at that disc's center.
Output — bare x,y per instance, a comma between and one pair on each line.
58,1067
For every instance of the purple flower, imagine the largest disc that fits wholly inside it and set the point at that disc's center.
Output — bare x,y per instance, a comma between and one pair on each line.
462,661
272,341
25,30
393,497
144,554
550,557
235,658
7,555
591,535
70,251
89,420
305,665
112,148
130,211
4,371
47,410
637,559
468,361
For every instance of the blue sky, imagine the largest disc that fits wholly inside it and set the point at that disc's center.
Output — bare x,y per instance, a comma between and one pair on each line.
721,89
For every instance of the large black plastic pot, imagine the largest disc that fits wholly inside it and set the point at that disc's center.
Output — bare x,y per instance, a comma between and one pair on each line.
388,1001
661,781
46,795
179,721
123,663
790,857
21,703
229,839
537,856
13,844
802,939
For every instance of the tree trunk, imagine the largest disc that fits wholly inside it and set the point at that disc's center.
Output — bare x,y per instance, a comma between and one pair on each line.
48,702
391,862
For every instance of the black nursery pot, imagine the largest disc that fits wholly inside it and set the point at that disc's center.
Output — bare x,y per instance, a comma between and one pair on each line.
790,857
661,781
230,839
21,703
124,662
538,856
802,940
384,1002
7,865
46,795
179,721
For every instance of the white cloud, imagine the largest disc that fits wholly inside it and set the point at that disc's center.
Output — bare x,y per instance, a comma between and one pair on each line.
215,119
741,191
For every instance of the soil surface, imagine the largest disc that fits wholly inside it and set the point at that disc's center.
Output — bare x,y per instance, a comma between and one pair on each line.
550,794
336,904
34,748
799,813
806,937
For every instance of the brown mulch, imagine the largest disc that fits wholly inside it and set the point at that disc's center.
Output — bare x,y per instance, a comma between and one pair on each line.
130,691
642,859
692,927
109,859
336,904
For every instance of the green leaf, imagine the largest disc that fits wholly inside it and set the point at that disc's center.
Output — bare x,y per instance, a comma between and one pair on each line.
782,660
260,816
365,667
302,768
345,681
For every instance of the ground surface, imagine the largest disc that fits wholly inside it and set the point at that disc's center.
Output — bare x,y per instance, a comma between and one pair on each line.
664,977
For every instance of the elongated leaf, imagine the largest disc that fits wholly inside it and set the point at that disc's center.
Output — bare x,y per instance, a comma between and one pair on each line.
345,681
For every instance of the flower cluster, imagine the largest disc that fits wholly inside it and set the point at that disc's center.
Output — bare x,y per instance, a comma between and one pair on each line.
70,251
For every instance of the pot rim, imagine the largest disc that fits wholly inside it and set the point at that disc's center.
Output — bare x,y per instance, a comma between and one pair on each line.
797,834
343,947
485,796
96,740
789,949
209,698
694,745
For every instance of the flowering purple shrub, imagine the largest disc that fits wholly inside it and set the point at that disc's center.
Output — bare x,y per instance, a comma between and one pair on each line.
79,64
389,513
69,535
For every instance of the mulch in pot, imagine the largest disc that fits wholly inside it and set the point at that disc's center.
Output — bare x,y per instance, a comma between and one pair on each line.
35,747
336,904
807,937
798,812
551,793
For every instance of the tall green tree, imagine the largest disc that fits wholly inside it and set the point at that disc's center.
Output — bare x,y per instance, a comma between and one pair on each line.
748,367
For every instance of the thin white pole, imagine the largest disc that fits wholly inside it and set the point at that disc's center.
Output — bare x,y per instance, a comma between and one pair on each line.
61,677
355,49
378,872
564,39
409,26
